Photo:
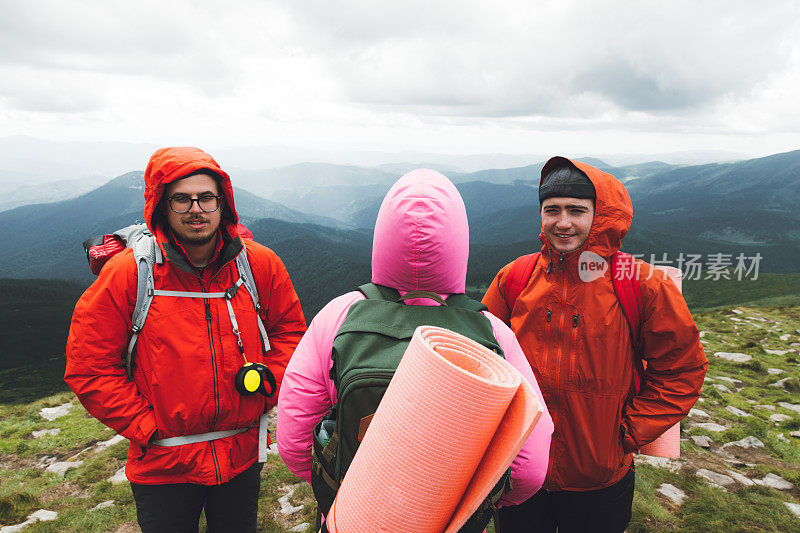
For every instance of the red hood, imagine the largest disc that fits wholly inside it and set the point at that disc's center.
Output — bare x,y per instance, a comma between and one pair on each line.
169,164
613,210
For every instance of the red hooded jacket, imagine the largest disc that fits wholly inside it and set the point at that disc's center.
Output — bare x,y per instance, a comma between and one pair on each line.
186,355
577,340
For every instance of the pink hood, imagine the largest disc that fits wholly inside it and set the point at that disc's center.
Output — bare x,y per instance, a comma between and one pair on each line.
421,239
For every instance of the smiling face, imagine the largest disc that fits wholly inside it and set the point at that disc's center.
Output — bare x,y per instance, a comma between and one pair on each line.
195,227
566,222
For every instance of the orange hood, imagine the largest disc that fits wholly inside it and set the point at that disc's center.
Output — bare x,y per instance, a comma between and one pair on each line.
169,164
613,210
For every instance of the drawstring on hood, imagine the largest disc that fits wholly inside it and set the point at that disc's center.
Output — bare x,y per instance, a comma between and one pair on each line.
421,239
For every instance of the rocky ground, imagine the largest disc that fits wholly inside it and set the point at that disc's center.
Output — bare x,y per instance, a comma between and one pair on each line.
739,470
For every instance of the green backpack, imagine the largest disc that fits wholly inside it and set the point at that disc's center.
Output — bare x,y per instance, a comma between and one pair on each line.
366,351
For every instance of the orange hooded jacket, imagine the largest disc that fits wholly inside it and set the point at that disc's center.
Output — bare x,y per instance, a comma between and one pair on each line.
577,340
186,355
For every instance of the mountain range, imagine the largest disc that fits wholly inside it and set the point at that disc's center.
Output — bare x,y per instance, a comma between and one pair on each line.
323,233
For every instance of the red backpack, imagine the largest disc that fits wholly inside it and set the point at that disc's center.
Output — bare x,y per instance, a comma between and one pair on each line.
625,279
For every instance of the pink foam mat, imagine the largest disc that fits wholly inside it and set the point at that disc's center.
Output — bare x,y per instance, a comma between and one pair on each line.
451,422
669,443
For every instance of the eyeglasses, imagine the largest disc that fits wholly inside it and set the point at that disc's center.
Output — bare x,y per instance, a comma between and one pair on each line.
182,203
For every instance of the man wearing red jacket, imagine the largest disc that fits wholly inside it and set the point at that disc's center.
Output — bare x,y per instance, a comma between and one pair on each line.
574,333
193,436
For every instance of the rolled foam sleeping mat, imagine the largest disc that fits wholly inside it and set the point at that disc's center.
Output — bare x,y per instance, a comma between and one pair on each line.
668,444
451,422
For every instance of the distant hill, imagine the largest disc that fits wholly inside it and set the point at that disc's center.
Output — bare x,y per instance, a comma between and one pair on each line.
306,176
46,238
769,183
52,191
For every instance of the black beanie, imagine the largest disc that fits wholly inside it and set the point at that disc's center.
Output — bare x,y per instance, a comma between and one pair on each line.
566,181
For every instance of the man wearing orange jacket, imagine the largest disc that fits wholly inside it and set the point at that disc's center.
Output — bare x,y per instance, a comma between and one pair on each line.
194,436
574,333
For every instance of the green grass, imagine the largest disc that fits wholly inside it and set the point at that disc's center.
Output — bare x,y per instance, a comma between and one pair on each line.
25,487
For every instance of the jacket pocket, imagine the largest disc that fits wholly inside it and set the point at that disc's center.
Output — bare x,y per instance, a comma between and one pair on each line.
158,461
592,451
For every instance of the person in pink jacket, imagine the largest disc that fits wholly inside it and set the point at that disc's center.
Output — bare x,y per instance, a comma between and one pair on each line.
421,242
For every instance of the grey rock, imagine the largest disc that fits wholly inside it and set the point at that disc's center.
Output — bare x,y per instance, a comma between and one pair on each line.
118,477
672,492
776,352
42,515
747,442
286,507
103,505
790,406
42,432
710,426
737,311
715,478
785,338
722,388
659,462
60,467
300,527
736,411
776,482
108,443
733,381
744,480
762,406
779,417
734,356
780,383
793,507
795,434
702,440
698,413
51,413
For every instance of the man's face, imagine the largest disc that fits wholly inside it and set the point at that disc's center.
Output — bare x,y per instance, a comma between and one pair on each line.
566,222
195,227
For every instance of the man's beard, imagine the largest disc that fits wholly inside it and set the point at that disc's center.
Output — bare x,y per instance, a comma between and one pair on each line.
195,240
186,236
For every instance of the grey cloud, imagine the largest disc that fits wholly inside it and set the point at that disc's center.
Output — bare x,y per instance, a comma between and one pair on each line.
580,60
112,37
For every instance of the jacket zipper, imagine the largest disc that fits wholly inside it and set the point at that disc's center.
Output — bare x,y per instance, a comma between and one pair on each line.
573,353
207,304
547,318
551,474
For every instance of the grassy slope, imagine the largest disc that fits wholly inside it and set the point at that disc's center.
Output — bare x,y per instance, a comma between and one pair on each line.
25,487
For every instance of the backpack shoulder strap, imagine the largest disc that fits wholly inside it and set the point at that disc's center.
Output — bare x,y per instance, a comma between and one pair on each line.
248,280
625,279
518,277
462,301
379,292
145,255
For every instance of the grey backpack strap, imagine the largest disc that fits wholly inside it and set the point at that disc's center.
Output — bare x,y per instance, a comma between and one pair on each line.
145,252
246,274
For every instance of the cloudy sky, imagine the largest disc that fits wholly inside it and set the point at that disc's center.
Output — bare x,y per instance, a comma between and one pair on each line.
541,77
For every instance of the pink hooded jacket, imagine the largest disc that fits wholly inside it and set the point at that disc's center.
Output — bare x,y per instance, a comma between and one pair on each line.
421,242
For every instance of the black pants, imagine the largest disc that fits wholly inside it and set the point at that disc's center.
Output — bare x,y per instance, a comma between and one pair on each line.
232,506
603,510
